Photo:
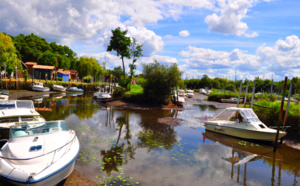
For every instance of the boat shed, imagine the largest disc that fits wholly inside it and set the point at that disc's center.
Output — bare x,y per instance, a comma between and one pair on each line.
43,72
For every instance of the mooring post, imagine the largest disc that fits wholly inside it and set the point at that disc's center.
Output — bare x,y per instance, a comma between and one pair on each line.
287,107
253,93
245,100
280,114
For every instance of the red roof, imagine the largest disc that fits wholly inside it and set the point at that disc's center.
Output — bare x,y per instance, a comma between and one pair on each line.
30,63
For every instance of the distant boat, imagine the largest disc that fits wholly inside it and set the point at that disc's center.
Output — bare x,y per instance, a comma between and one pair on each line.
102,96
178,99
59,88
74,89
231,100
38,86
190,93
39,153
202,91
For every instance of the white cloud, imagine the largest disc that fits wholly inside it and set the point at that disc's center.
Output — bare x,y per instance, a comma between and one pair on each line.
252,35
229,22
168,36
184,33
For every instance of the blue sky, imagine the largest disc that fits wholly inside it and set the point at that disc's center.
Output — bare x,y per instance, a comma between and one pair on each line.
213,37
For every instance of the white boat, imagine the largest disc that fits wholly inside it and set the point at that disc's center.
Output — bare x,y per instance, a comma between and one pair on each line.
190,93
241,123
102,96
231,100
74,89
59,88
178,99
13,112
3,94
202,91
38,86
39,154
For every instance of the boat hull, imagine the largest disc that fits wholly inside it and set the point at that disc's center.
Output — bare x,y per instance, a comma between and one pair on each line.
244,133
60,89
41,89
52,180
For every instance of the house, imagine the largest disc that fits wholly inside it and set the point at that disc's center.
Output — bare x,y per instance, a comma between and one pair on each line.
30,67
42,71
65,75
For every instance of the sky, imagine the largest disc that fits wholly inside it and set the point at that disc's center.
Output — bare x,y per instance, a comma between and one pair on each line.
213,37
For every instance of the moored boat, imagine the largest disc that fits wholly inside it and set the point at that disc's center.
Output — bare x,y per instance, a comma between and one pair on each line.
231,100
74,89
16,112
38,86
190,93
59,88
3,94
241,123
39,153
102,96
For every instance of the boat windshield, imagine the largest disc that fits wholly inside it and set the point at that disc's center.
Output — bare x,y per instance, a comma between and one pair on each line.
25,104
12,104
249,116
37,128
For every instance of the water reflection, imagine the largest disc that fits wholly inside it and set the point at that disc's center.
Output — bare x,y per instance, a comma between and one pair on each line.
239,153
124,146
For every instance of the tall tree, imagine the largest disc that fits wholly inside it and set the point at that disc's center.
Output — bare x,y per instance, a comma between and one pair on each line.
136,53
120,43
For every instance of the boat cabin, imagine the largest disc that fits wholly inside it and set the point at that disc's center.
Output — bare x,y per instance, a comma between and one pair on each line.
239,115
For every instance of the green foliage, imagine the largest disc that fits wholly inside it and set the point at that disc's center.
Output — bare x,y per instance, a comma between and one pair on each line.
59,78
118,92
8,53
160,79
124,82
36,49
88,66
118,73
10,69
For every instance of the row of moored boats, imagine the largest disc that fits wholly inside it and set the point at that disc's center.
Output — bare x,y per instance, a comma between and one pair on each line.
39,86
34,151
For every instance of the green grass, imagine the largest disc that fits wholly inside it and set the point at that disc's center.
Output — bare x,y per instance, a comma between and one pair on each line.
135,90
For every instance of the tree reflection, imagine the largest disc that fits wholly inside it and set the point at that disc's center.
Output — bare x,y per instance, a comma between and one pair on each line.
119,154
157,135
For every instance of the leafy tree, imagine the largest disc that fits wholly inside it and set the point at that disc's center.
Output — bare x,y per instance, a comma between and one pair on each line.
88,66
120,43
159,79
118,72
8,54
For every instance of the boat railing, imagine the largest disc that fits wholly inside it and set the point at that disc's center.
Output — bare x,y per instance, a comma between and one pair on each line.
282,128
53,151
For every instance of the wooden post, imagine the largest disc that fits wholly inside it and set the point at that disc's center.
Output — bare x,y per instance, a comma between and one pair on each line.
238,102
280,114
5,76
245,100
253,93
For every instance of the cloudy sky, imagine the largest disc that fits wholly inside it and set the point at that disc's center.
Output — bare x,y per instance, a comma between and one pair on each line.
213,37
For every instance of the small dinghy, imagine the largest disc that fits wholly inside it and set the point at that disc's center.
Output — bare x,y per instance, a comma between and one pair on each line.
39,154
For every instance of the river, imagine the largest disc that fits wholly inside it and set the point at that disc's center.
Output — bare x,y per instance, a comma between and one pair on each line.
131,147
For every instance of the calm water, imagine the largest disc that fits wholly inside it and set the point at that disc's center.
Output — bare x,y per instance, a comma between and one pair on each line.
129,147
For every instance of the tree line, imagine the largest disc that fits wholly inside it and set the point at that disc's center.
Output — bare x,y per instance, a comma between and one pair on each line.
32,48
261,85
